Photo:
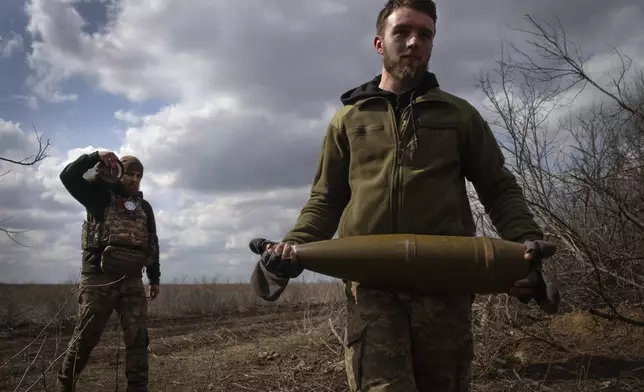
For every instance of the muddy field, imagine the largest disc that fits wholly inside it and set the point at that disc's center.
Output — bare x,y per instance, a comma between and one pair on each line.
252,351
296,346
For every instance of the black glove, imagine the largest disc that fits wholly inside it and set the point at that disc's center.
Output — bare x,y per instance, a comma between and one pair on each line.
274,262
541,249
547,294
256,245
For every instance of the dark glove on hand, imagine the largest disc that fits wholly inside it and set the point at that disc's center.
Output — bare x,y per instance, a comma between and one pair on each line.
547,294
273,262
256,245
540,249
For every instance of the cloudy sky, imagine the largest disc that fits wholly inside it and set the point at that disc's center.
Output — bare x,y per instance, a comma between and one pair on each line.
226,103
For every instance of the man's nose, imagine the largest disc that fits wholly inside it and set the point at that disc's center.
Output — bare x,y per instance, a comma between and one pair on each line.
412,42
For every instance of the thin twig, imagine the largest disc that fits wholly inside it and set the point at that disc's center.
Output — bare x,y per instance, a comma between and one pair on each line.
335,333
54,317
73,341
44,339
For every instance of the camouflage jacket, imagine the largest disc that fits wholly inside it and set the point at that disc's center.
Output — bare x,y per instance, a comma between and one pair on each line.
95,197
397,163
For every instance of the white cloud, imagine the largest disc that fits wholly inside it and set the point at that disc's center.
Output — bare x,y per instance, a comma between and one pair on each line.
251,87
612,62
176,50
216,145
199,235
10,43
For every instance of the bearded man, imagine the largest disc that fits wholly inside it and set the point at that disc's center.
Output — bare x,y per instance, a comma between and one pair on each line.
119,239
394,160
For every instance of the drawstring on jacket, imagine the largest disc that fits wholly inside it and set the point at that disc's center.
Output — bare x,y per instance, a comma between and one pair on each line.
413,122
413,144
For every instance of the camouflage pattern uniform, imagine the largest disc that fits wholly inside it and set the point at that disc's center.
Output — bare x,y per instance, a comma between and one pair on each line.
98,297
119,239
397,163
401,342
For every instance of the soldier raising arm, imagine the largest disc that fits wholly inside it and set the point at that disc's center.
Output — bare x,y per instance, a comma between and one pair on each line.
119,239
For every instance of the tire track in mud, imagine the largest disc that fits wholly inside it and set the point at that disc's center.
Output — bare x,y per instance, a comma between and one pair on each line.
242,320
226,332
166,335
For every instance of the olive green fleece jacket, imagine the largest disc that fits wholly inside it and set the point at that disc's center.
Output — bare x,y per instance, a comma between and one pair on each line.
398,163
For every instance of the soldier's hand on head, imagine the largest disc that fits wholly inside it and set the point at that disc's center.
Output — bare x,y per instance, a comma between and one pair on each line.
108,158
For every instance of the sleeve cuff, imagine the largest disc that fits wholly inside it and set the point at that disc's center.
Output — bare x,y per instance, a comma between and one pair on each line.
531,237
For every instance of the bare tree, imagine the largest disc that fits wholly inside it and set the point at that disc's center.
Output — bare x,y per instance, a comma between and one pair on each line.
583,176
31,160
40,155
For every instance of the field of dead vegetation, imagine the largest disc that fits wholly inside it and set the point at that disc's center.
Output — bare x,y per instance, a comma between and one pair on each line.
220,337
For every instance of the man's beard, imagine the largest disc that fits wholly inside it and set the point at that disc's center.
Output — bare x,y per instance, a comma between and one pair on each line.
133,190
401,70
130,189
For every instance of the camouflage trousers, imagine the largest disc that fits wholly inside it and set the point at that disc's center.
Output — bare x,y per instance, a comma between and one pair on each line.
401,343
98,297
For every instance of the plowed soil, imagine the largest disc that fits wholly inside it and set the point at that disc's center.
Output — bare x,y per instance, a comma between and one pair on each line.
300,350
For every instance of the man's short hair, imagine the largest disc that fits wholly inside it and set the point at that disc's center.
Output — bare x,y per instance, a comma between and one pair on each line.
426,6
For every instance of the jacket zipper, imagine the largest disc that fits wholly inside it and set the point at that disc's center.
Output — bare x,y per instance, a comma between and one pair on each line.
393,220
395,205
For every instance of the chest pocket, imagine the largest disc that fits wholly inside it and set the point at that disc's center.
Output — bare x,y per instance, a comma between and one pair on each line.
436,146
126,227
370,146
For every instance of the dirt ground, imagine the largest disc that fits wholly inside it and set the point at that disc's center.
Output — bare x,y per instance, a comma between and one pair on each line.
300,350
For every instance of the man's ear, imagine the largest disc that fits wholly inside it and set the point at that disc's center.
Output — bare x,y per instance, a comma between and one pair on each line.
377,43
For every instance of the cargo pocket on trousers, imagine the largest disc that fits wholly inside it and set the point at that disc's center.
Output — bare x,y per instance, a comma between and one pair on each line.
353,354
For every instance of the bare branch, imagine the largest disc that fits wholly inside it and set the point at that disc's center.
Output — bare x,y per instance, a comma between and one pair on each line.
40,155
11,233
550,43
584,177
31,160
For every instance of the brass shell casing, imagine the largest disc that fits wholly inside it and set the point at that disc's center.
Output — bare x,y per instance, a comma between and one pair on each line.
419,263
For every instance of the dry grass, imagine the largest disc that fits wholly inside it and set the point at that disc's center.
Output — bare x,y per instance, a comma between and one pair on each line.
36,304
221,337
